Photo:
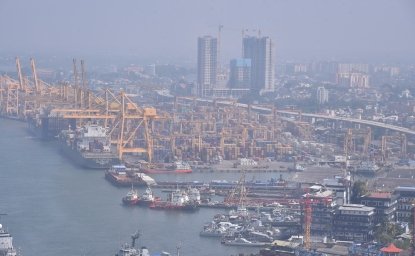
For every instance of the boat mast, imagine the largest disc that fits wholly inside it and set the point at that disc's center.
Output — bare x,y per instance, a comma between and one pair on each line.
134,237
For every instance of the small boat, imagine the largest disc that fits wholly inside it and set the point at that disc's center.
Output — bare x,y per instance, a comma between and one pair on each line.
132,197
147,198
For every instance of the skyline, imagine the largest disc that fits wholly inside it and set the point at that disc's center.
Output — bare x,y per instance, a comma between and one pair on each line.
168,31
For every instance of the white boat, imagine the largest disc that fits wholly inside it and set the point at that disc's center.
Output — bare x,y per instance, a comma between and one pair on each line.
130,250
240,241
6,243
148,197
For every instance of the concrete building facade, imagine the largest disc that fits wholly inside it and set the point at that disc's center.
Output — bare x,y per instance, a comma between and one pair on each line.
240,73
354,222
207,54
261,53
322,95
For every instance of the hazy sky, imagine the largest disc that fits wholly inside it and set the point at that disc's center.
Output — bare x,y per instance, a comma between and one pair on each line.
167,30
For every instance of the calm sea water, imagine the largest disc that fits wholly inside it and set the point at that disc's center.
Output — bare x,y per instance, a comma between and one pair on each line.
56,208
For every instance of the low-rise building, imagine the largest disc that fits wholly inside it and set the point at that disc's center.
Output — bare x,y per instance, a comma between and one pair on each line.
385,204
406,201
354,222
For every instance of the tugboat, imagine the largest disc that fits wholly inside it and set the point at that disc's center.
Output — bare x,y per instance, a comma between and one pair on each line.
131,198
6,243
147,198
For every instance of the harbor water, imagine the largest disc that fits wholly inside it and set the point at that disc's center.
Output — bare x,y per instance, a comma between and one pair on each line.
54,207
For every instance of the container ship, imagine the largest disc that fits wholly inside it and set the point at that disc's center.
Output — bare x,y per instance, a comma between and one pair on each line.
161,168
47,127
120,175
89,146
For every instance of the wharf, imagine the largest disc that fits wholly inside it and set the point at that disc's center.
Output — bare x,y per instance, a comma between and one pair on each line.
229,166
266,186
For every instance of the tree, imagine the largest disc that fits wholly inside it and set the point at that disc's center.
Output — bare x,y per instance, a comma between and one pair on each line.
359,189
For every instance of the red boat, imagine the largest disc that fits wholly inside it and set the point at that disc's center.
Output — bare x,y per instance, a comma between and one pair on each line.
131,198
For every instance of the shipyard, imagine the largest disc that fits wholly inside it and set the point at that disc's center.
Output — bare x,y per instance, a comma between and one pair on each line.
162,146
207,128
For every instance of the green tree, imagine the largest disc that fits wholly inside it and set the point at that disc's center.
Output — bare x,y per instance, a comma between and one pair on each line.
359,189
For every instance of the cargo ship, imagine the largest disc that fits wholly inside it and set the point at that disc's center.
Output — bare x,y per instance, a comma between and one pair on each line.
46,126
6,243
179,200
120,175
161,168
88,146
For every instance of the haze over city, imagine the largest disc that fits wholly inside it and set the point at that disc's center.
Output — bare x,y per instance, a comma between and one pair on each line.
167,30
207,128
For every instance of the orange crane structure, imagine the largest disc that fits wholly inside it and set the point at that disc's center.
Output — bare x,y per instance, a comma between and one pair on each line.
26,98
308,202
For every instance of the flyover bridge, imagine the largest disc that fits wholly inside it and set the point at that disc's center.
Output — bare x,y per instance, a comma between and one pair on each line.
262,109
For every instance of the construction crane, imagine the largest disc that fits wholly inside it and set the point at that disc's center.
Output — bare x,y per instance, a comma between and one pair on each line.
400,138
238,193
308,201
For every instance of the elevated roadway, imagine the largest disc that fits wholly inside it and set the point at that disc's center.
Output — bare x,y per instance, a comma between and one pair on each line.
396,128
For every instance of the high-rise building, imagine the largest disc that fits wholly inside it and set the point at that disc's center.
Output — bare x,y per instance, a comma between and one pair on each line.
353,75
240,73
207,55
260,51
322,95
